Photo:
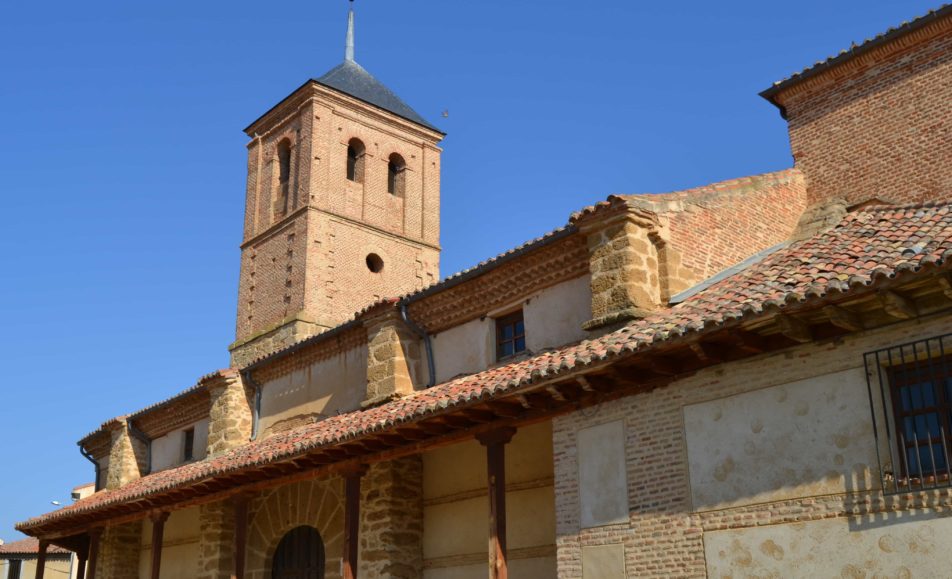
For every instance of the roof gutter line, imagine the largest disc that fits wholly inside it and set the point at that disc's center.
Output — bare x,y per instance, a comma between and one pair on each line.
256,406
95,462
427,344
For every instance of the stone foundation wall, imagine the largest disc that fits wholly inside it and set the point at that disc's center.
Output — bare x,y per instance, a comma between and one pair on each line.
216,540
119,552
391,520
229,415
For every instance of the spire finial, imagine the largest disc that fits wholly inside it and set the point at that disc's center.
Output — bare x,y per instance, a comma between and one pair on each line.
349,44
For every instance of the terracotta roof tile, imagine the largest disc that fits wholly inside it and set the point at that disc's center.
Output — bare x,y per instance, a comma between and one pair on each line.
876,243
28,546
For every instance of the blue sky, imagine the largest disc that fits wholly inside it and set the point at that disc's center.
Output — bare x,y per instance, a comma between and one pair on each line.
122,163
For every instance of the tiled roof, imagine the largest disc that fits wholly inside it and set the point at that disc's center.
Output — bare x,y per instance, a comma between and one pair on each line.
866,247
858,49
202,383
28,546
350,78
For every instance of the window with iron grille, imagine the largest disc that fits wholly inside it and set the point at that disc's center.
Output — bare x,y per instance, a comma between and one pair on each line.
510,335
910,388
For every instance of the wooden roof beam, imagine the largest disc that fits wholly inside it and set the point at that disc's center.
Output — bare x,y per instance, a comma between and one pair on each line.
794,328
843,318
897,306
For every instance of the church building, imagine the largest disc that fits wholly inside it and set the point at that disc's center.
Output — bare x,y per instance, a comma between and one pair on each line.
748,378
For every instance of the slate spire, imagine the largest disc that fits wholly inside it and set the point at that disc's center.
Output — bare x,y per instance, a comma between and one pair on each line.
349,43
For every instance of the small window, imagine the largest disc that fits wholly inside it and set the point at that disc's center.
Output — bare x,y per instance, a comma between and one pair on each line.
912,413
922,403
284,177
396,175
510,335
355,161
189,453
15,568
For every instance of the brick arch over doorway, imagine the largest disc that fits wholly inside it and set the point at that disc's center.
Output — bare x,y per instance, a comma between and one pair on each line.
319,504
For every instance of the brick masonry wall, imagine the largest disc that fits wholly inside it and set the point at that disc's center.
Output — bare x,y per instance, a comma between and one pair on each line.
119,552
309,264
880,126
663,536
724,224
644,249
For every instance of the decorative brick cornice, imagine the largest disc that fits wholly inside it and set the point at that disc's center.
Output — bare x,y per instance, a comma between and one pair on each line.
546,266
872,51
319,349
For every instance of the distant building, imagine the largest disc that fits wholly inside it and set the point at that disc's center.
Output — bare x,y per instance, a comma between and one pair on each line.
18,560
747,378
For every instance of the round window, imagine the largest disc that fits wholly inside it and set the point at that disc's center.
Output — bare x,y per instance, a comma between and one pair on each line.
374,263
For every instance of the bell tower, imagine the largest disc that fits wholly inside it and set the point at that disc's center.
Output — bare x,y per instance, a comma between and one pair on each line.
342,208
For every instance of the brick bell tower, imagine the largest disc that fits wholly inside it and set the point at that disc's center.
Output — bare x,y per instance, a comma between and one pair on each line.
342,208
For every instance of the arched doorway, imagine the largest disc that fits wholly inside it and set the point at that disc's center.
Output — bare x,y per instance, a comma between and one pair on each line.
300,555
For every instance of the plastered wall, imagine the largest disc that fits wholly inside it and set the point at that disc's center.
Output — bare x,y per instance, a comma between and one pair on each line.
167,451
553,317
28,569
180,552
805,464
456,519
805,438
321,389
907,545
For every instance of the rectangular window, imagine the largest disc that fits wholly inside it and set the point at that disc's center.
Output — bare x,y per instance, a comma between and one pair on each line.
921,396
911,386
14,572
510,335
189,444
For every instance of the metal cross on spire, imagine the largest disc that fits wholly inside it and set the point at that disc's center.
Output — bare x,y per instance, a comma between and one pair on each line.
349,44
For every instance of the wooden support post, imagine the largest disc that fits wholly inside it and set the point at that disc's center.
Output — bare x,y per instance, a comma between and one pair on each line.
495,442
81,559
158,531
241,535
41,559
351,521
94,536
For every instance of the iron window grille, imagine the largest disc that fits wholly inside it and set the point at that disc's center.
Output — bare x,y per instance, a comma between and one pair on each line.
910,395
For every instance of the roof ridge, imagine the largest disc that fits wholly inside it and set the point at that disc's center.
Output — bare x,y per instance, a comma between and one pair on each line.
854,50
880,207
716,185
